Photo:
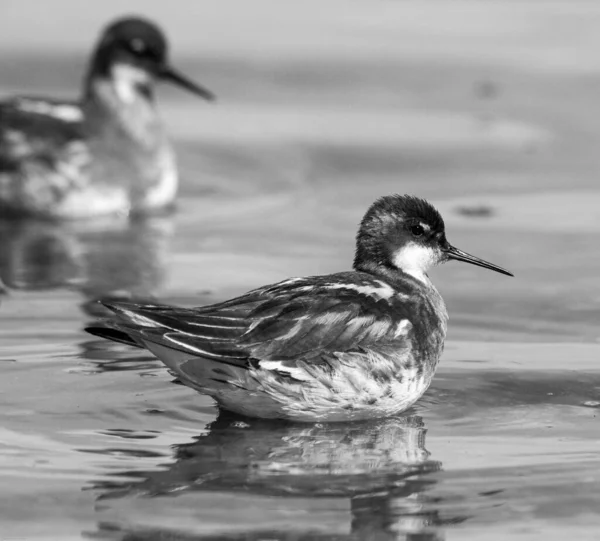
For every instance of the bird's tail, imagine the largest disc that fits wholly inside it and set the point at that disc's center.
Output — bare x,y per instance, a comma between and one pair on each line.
115,335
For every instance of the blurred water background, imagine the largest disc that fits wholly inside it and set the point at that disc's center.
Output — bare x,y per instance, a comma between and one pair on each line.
489,109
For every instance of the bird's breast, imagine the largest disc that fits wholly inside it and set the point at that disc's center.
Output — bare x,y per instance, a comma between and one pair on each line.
130,146
348,386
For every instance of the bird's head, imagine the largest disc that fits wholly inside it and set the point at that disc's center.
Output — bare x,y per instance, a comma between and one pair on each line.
405,233
133,53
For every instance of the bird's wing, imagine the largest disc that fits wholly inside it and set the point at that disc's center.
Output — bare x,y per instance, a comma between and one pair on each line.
300,319
62,110
32,129
42,156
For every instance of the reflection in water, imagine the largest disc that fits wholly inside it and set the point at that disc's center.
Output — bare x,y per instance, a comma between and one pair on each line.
108,531
379,467
100,359
100,258
38,255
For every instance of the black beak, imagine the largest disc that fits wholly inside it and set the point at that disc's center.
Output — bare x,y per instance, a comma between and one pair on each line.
459,255
169,74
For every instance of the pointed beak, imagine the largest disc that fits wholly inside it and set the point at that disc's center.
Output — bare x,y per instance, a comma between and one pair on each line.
458,255
167,73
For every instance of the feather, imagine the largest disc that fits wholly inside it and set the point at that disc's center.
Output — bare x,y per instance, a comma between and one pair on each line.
305,319
113,334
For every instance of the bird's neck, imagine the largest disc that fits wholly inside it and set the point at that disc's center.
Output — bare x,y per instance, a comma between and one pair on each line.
419,274
123,127
411,260
120,107
414,277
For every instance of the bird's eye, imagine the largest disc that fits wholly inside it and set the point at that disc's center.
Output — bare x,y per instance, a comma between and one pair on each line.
417,230
137,46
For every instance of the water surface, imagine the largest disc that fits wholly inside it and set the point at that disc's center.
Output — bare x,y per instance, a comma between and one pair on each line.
98,441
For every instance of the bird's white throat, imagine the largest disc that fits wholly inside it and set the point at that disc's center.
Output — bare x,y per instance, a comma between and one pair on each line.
127,79
416,259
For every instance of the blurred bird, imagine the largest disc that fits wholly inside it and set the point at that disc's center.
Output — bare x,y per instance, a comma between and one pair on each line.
347,346
108,153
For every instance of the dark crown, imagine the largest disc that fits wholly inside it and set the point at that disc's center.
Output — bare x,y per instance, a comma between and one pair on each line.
404,207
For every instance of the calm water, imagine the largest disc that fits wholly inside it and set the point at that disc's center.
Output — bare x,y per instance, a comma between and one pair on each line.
98,442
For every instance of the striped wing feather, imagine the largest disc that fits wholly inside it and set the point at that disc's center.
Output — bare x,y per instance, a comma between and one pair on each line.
284,323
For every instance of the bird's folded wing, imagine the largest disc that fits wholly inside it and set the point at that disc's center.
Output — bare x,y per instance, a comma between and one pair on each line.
61,110
281,322
27,135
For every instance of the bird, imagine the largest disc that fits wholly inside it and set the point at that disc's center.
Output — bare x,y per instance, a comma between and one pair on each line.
349,346
106,154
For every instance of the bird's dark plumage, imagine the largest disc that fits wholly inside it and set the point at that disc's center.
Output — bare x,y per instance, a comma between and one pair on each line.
305,317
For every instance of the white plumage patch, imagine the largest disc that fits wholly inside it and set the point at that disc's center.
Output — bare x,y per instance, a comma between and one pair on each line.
279,366
192,349
416,259
126,78
165,190
290,281
402,328
384,291
62,111
205,325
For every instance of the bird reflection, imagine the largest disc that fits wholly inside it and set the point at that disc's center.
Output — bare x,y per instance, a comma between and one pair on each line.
381,467
100,259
